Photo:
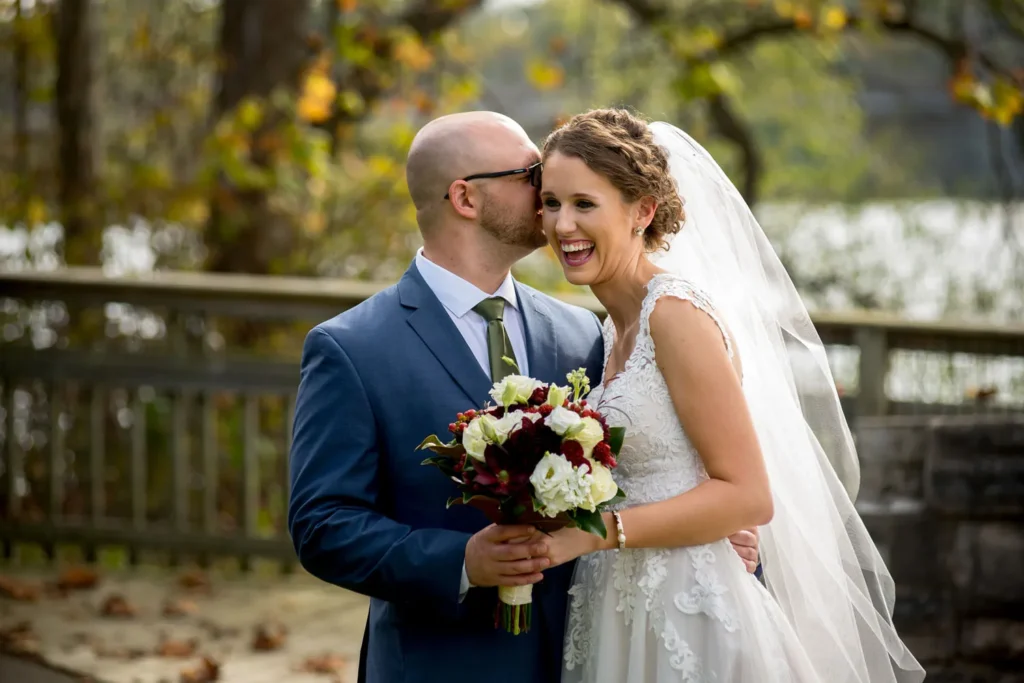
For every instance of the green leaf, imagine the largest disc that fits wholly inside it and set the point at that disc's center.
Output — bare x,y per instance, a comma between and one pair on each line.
616,435
431,440
590,522
443,463
452,449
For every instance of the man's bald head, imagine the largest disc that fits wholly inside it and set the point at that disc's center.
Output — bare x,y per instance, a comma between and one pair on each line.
458,145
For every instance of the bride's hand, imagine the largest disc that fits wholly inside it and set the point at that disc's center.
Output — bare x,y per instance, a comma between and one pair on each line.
565,545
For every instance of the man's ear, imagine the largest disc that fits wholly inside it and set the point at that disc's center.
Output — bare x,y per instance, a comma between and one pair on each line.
463,199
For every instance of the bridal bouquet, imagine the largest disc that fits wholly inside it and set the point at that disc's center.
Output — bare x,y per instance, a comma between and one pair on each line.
539,456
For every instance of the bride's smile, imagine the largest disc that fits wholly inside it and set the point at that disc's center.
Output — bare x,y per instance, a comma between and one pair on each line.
589,223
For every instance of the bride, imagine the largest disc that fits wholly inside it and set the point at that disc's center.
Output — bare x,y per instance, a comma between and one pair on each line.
732,421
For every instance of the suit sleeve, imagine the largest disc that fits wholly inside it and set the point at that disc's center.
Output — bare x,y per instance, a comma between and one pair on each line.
337,528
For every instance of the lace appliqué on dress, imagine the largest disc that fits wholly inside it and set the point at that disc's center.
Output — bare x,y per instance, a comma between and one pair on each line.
707,596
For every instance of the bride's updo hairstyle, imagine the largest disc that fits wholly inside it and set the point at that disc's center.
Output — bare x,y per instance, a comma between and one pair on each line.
620,146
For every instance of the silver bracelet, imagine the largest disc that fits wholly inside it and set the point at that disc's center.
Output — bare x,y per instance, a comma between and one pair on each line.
621,532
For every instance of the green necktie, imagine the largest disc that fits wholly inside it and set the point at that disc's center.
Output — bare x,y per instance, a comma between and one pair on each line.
498,344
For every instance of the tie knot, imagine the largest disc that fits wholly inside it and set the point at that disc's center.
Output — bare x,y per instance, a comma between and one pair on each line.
491,309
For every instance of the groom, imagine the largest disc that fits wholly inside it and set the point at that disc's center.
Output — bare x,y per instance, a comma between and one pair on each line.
378,378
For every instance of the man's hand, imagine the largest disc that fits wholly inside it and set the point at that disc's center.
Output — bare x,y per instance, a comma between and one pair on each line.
745,544
506,555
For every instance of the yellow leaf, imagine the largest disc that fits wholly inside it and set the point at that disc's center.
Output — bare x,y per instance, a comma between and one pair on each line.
461,91
803,19
318,94
784,8
413,53
963,86
834,18
192,211
35,212
1007,102
381,165
250,113
544,76
703,39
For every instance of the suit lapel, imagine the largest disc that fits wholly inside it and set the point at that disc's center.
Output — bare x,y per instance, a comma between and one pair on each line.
539,330
431,322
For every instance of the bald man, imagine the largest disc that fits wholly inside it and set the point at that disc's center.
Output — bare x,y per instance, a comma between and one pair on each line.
364,514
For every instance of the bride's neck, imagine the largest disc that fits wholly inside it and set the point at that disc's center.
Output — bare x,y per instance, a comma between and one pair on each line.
623,294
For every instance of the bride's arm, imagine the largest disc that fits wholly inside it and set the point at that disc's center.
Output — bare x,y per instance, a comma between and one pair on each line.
705,389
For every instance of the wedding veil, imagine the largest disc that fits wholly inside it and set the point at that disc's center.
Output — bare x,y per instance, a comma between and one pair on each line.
819,562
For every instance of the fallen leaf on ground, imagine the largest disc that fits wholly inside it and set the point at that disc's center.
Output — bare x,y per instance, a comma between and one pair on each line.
20,638
179,608
268,637
77,578
194,580
323,664
118,606
207,672
177,648
16,589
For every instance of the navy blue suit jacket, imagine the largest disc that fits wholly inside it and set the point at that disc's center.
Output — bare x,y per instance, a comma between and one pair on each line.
365,515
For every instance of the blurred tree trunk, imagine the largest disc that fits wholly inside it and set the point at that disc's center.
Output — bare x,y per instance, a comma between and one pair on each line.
78,209
22,167
263,48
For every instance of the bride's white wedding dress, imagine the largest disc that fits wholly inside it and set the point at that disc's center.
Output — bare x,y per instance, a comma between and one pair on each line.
657,615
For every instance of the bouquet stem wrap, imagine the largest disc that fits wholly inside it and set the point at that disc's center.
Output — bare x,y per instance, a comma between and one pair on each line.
515,609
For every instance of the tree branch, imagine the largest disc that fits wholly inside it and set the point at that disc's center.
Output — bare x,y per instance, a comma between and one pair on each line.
732,128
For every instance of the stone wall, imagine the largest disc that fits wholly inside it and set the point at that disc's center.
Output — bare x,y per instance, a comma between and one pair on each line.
944,501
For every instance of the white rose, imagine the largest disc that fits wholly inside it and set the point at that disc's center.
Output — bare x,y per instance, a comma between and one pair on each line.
557,395
562,420
511,422
514,389
559,486
589,433
603,487
476,436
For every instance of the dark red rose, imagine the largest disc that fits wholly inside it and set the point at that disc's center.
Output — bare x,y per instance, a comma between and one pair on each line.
526,446
539,395
573,452
603,454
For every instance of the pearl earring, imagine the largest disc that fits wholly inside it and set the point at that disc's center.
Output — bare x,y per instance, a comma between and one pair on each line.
639,230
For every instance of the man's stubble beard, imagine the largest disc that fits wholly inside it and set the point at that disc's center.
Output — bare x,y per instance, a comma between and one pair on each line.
523,232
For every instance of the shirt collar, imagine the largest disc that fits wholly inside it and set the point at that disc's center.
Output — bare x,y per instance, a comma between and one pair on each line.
456,294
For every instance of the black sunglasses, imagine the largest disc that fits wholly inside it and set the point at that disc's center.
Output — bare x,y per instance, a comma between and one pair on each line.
533,170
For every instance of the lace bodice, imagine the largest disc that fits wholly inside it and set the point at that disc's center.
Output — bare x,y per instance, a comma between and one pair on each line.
657,460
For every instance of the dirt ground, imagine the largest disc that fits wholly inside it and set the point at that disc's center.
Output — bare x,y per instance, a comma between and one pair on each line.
162,626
